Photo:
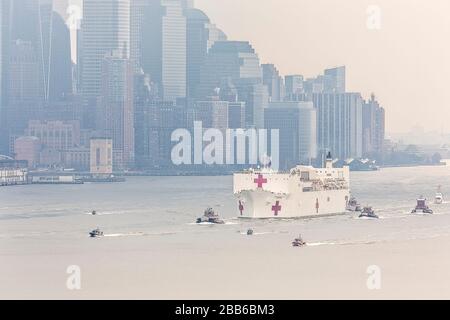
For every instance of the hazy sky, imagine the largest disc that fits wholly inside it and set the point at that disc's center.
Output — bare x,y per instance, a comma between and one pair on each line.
406,62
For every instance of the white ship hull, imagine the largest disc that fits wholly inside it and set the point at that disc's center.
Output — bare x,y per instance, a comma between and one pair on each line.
261,204
303,192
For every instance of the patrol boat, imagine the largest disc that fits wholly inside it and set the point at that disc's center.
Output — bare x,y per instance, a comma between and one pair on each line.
353,205
298,242
438,198
96,233
368,212
422,206
304,191
210,216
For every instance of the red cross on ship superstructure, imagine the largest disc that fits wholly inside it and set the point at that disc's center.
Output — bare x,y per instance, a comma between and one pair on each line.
260,181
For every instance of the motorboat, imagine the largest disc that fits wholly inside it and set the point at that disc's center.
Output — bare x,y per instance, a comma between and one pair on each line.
96,233
438,198
368,212
298,242
353,205
209,216
422,206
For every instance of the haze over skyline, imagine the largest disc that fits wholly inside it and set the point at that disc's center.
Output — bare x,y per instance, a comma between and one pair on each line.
405,63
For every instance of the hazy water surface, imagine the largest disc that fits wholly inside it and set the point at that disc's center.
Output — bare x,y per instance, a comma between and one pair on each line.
161,205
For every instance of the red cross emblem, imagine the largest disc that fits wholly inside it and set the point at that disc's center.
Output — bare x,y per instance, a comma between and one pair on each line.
276,208
260,181
241,207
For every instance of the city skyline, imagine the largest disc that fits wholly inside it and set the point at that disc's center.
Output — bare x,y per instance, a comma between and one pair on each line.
183,54
394,47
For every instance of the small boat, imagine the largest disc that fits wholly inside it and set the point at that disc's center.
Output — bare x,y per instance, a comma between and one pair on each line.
422,206
96,233
353,205
368,212
298,242
210,216
250,232
438,198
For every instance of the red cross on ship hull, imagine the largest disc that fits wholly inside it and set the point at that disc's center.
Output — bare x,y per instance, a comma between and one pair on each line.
276,208
241,207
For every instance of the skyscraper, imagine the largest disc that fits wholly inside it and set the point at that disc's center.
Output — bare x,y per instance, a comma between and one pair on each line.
115,113
138,12
339,121
334,80
163,46
156,123
236,62
294,86
105,27
4,70
201,36
373,128
297,125
25,99
57,61
273,81
213,113
256,98
233,60
36,22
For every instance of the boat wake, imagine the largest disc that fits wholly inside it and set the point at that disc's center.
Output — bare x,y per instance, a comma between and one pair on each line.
131,234
257,233
316,244
227,223
104,213
138,234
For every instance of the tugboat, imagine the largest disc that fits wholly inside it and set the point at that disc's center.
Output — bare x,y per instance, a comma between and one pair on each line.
96,233
353,205
422,206
368,212
298,242
211,217
438,198
250,232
